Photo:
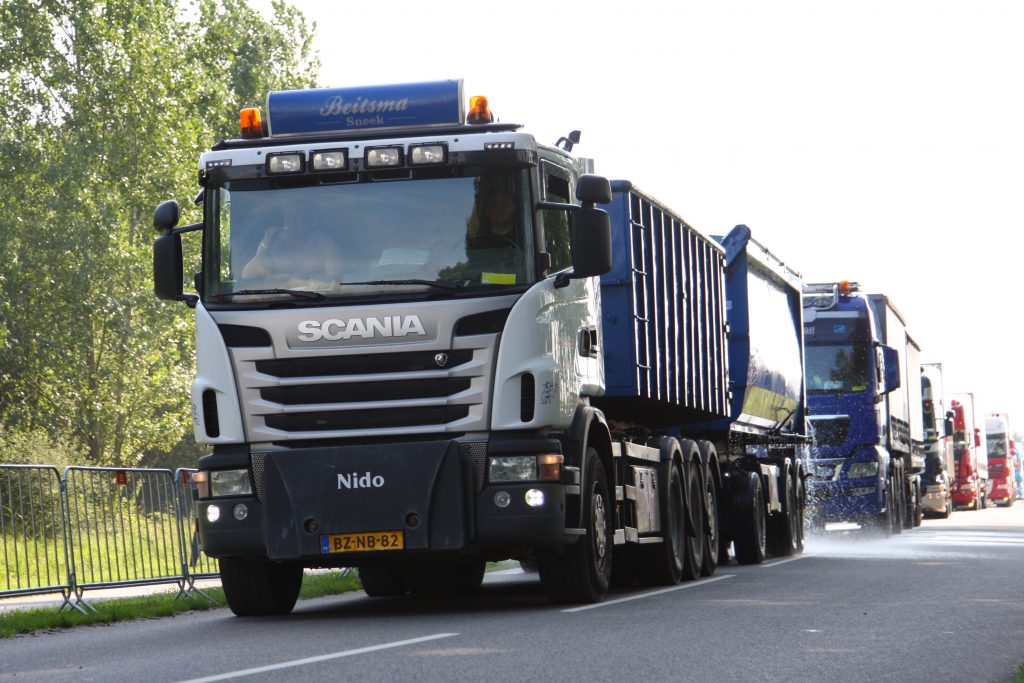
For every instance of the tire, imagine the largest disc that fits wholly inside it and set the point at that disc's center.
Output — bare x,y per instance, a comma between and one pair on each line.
663,563
712,513
260,587
382,581
582,571
948,510
801,507
748,518
908,504
462,578
896,501
696,527
782,529
918,505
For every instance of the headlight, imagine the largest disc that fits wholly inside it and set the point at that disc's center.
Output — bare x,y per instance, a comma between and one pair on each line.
513,468
544,467
230,483
862,470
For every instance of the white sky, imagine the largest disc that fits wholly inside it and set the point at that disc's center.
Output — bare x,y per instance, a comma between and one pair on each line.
880,141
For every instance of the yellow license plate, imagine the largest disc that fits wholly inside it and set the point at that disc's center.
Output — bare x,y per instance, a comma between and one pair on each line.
358,543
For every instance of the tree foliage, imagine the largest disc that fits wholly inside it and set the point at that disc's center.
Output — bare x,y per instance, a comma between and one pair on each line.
107,105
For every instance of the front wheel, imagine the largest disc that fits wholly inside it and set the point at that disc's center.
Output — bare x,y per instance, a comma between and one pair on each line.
260,587
582,571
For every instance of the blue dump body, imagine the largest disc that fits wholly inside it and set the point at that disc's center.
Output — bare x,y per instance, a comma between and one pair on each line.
666,303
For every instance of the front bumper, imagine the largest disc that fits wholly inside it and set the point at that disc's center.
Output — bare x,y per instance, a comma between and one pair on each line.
844,500
432,494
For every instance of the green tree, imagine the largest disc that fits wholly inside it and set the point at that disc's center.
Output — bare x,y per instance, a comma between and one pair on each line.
108,105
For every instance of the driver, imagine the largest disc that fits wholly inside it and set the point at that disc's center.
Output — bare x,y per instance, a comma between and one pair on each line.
496,224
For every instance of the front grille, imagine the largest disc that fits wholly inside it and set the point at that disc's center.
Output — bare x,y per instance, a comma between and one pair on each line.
365,391
378,418
830,431
373,364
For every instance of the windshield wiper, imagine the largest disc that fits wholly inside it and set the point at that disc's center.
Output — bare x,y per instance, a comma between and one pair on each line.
449,286
297,293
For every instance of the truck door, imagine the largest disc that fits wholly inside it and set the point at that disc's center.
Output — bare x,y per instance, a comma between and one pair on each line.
575,306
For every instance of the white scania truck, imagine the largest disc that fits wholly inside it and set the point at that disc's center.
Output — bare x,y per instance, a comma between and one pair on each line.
421,347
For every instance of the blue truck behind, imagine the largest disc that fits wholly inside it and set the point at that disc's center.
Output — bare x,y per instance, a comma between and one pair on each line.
864,409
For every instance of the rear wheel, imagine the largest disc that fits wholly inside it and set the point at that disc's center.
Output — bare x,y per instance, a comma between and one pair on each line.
783,529
712,517
749,522
663,563
582,571
260,587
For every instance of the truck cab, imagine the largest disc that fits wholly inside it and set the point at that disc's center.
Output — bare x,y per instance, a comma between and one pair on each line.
970,487
936,494
849,372
1002,481
389,315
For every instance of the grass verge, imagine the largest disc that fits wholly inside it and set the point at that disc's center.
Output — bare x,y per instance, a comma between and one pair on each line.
18,622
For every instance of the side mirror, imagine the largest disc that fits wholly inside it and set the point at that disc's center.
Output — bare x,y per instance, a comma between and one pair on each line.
166,216
977,437
593,189
892,368
167,266
591,234
947,424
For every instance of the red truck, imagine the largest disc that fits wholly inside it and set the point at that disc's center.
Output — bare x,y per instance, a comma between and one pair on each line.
971,457
1002,484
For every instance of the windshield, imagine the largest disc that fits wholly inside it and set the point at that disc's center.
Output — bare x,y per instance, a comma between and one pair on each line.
996,446
837,368
268,240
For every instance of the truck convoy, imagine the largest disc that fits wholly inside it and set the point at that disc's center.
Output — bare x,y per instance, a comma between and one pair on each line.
970,488
936,492
864,409
1002,482
422,346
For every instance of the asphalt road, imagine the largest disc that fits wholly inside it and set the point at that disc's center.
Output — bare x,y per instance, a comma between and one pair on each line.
939,603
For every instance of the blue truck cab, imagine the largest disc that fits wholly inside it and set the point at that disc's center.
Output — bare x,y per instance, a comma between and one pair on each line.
858,469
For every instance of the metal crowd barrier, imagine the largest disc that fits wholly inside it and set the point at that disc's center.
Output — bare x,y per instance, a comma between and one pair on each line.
195,564
98,527
33,545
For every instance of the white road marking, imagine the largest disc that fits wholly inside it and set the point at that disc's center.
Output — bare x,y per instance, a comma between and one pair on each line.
648,594
320,658
789,559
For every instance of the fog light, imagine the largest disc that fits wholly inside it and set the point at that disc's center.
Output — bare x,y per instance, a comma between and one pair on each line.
289,162
212,513
240,512
535,498
383,156
502,499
